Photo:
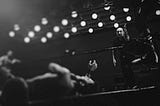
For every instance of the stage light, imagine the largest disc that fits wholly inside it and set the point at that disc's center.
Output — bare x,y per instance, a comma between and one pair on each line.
94,16
106,7
12,34
90,30
126,9
83,23
27,40
49,35
56,28
100,24
128,18
112,17
73,52
116,25
66,35
67,51
37,28
31,34
157,12
16,27
74,29
74,14
44,21
43,39
64,22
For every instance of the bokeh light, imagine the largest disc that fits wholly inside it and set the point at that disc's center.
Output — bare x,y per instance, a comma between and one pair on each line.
49,35
12,34
100,24
90,30
83,23
31,34
112,17
128,18
43,39
64,22
27,40
66,35
126,9
116,25
37,28
44,21
56,28
74,29
94,16
74,14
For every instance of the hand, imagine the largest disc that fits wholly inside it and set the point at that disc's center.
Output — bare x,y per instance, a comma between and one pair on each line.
16,61
92,65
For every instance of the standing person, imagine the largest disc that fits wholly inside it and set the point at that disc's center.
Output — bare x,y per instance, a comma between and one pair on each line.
121,55
5,72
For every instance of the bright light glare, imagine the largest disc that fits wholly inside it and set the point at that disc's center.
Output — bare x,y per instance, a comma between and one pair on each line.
66,35
64,22
112,17
94,16
116,25
27,40
31,34
157,12
16,27
44,21
43,39
74,14
49,35
37,28
125,9
12,34
56,28
100,24
128,18
74,29
83,23
90,30
106,7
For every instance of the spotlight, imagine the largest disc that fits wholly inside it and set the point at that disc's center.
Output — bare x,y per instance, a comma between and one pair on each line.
56,28
31,34
116,25
157,12
44,21
73,52
90,30
49,35
128,18
100,24
66,35
106,7
37,28
83,23
12,34
112,17
27,40
125,9
64,22
16,27
67,51
43,39
94,16
74,29
74,14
